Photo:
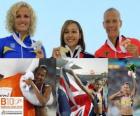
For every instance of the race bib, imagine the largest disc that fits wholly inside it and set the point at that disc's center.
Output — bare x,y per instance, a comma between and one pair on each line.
5,91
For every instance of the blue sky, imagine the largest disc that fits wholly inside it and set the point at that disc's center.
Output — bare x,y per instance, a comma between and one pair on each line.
51,14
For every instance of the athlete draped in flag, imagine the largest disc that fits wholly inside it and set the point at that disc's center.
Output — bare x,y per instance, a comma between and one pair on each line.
125,96
92,97
117,46
21,23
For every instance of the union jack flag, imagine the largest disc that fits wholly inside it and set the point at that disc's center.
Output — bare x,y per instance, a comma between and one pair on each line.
72,100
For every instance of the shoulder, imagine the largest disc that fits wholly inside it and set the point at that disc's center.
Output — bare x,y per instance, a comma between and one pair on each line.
7,37
48,87
99,52
135,41
103,47
4,40
132,39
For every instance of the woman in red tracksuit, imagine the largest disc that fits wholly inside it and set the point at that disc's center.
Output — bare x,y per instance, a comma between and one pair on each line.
117,46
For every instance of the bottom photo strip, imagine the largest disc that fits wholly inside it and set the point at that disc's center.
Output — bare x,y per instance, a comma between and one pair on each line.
70,87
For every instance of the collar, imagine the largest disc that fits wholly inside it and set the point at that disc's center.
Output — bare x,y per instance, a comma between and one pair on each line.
23,38
20,42
75,53
118,41
34,45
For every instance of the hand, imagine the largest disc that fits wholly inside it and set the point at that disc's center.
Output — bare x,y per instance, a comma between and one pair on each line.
56,53
119,93
132,74
131,48
28,82
125,43
39,53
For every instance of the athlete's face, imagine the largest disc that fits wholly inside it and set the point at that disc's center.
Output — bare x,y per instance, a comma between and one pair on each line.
126,89
40,75
98,85
72,35
22,20
112,24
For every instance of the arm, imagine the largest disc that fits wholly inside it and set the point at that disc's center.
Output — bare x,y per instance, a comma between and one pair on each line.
132,73
43,99
115,96
78,81
133,92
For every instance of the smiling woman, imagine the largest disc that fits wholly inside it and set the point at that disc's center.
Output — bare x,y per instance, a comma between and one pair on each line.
117,46
21,21
72,42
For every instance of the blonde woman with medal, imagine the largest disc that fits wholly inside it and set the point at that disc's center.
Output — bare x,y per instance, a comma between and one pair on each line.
21,22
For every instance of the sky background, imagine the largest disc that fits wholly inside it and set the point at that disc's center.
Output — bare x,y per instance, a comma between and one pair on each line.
51,14
11,66
96,65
